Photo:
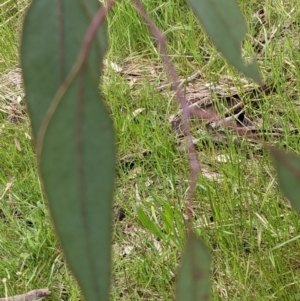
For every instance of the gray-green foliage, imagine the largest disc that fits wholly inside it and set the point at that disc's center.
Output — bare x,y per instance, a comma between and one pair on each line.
77,154
74,137
225,25
288,170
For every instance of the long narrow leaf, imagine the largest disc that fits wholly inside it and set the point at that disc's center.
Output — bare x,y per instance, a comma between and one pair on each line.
148,223
288,171
194,273
77,158
225,25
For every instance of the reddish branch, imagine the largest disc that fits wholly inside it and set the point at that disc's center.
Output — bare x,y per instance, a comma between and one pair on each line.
194,164
35,295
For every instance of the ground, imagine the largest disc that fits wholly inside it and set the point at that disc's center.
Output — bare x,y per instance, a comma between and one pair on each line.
240,213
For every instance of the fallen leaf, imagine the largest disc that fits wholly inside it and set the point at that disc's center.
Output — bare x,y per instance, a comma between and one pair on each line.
17,144
137,111
126,251
135,172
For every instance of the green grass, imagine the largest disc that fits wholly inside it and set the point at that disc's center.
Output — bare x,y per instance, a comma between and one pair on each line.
240,214
11,13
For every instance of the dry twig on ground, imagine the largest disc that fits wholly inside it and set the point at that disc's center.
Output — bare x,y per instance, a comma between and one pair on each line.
35,295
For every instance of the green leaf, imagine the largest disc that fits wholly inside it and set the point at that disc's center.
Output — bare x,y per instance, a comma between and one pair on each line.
168,219
194,273
225,25
77,159
288,172
148,223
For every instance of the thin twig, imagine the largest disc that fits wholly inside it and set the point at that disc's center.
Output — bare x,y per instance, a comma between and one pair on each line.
35,295
194,164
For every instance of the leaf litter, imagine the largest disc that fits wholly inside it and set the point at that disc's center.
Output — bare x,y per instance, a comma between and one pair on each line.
228,109
12,95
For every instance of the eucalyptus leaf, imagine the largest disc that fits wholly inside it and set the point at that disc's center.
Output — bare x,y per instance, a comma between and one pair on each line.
288,172
194,272
77,158
225,25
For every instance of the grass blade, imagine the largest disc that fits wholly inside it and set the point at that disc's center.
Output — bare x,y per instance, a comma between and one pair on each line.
148,223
